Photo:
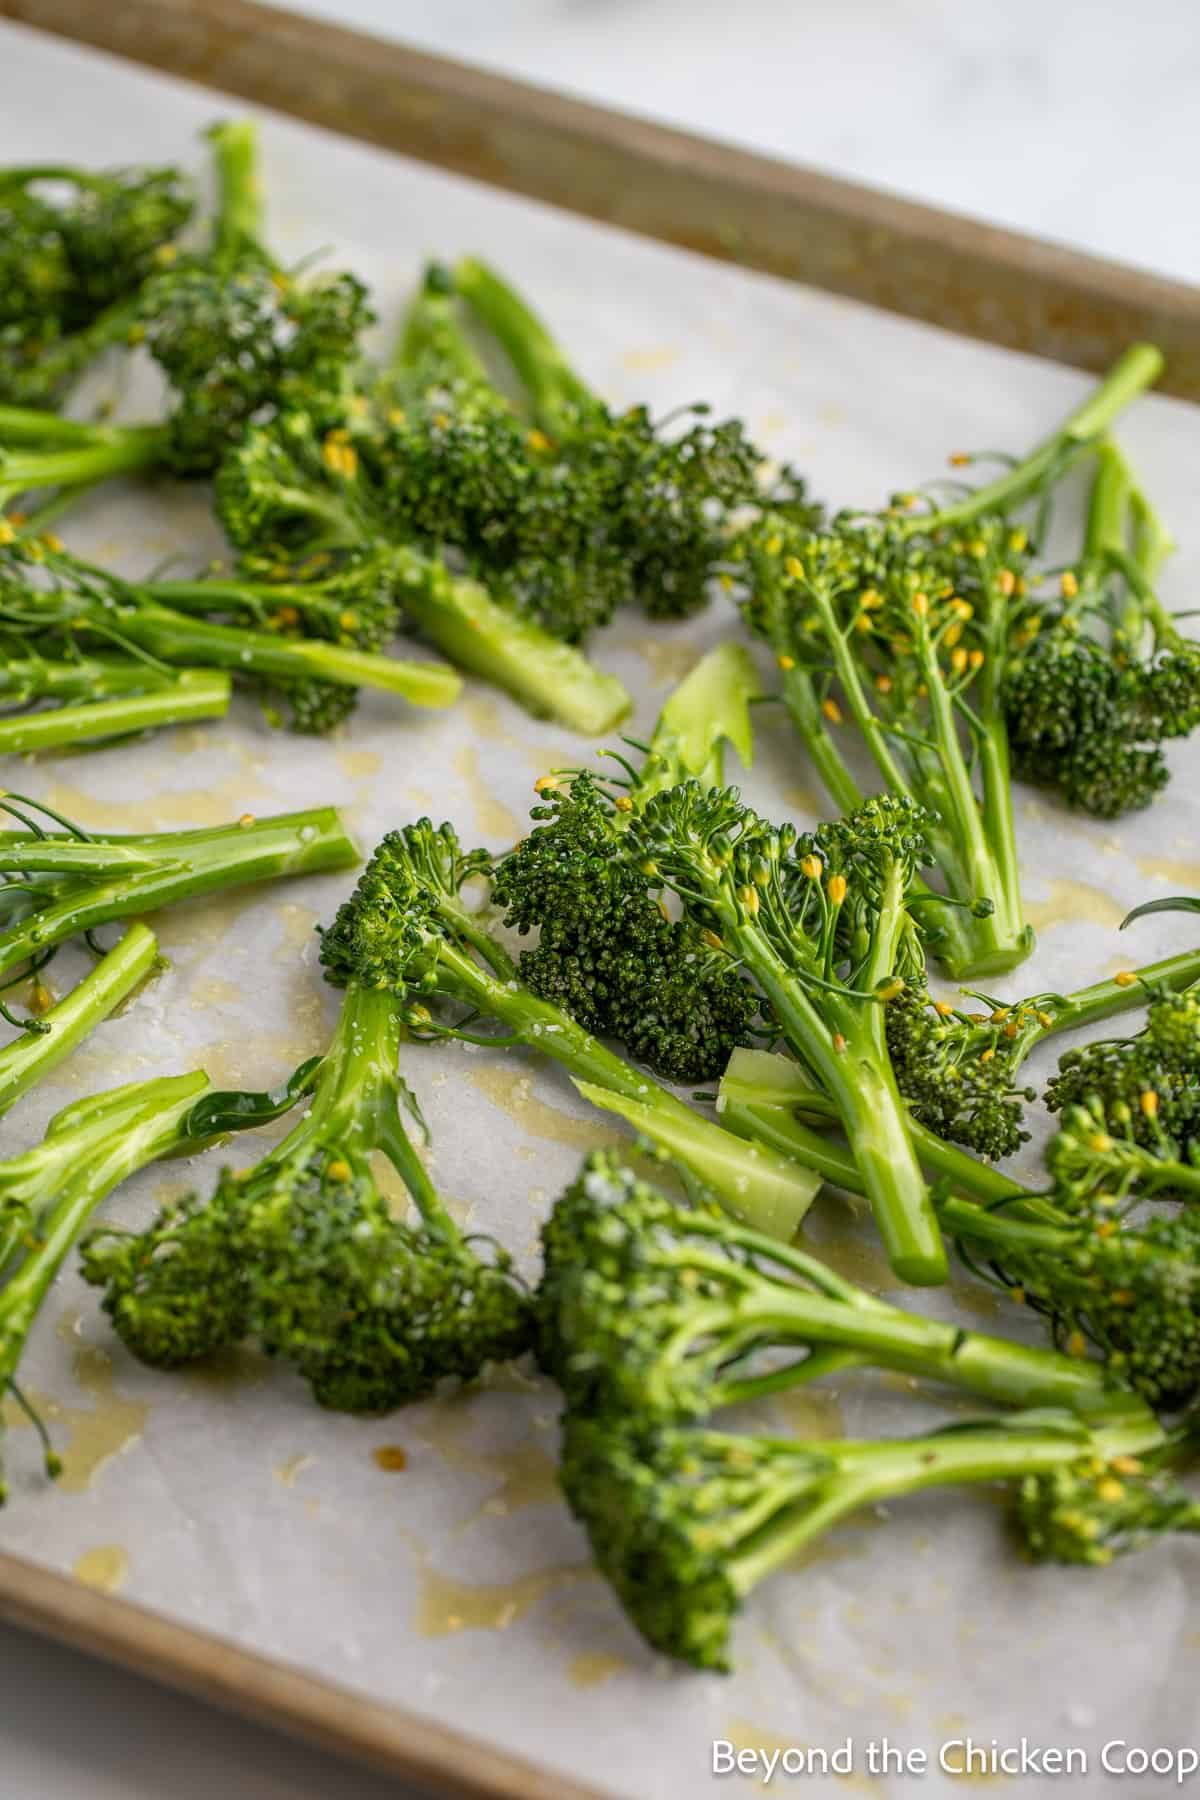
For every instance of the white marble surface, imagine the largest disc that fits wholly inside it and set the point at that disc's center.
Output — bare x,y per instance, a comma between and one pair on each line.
1077,121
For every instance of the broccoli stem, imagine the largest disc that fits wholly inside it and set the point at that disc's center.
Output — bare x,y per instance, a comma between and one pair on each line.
769,1191
431,328
175,866
117,450
550,679
819,1307
30,425
190,695
553,390
871,1472
1133,372
354,1107
761,1094
34,1054
239,222
842,1043
88,1149
179,637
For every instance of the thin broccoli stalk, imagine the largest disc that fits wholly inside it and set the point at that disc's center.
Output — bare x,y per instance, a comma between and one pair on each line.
555,393
973,839
239,221
431,329
834,1024
64,1026
354,1108
176,636
1137,369
138,700
110,450
768,1097
121,877
770,1191
1125,535
51,1191
686,1523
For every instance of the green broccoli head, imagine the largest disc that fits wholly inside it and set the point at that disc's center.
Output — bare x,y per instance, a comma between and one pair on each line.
385,935
372,1312
305,1257
233,339
606,952
958,1071
667,1510
1093,1510
1145,1088
1083,722
178,1290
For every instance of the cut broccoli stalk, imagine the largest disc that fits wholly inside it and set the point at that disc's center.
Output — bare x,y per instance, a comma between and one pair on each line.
550,679
1137,369
136,699
51,1191
104,878
60,1029
685,1523
303,1253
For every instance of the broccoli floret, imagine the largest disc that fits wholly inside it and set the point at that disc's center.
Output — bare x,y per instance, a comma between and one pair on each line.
663,501
75,248
407,929
1145,1089
685,1523
657,1310
302,1253
289,490
1099,677
606,950
820,921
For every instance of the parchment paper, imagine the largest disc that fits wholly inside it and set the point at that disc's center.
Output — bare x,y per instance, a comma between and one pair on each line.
458,1584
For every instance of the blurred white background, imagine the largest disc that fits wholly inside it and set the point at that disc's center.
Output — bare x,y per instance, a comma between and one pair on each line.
1077,120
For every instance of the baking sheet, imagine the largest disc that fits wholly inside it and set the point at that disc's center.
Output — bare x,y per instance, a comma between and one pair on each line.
458,1585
